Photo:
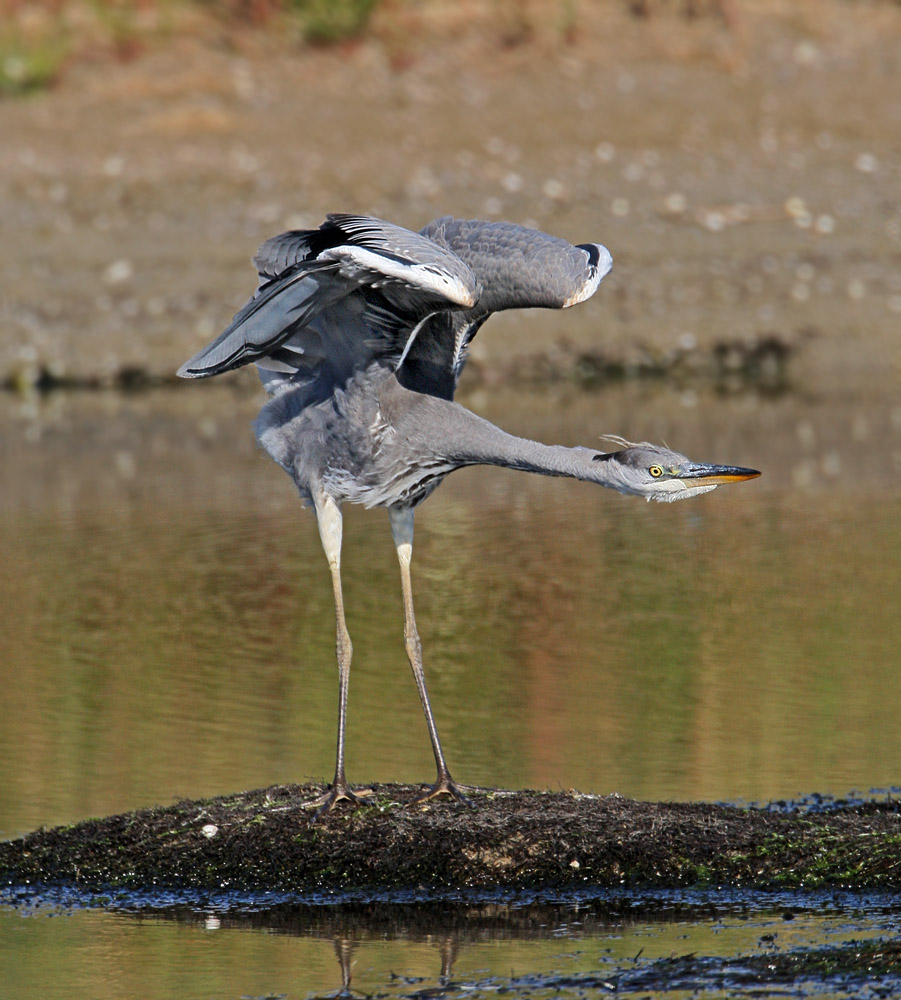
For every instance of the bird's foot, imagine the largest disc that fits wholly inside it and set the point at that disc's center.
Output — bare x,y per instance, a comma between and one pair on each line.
338,791
445,785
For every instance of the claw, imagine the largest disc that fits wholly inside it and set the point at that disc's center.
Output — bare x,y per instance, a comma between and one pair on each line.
445,785
337,792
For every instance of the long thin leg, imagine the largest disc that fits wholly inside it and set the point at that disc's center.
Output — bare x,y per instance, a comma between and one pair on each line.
328,517
402,530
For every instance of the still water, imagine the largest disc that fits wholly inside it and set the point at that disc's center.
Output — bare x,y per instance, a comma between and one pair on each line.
477,950
166,625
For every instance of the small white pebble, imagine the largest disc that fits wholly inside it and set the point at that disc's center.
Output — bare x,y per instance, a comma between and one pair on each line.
804,474
512,182
620,207
675,202
806,53
552,188
113,166
209,830
795,206
208,427
117,272
605,152
866,163
205,327
807,434
125,464
244,161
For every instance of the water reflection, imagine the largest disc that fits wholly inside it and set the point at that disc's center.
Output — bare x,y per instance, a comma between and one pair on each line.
167,618
221,948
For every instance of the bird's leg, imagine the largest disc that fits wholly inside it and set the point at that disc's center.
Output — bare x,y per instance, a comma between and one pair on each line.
328,517
402,530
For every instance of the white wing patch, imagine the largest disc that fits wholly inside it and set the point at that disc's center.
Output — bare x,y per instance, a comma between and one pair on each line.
428,277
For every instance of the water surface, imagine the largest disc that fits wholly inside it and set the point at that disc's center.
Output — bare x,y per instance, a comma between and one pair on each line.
221,948
167,620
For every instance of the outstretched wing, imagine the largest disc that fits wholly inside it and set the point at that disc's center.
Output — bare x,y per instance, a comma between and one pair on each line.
517,268
522,268
343,294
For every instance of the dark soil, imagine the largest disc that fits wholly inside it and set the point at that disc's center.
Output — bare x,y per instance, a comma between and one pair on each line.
264,840
753,975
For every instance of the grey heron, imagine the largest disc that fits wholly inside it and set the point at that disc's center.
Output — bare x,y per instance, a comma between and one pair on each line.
360,331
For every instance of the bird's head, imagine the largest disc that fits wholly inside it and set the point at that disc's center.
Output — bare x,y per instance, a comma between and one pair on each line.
656,473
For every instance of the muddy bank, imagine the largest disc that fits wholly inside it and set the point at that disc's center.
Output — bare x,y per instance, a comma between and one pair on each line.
263,840
852,965
747,192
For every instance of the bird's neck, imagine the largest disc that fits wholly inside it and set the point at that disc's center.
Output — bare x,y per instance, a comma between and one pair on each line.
444,430
492,446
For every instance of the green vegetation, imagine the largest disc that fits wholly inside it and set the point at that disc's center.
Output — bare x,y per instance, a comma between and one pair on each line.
30,65
37,41
327,22
36,44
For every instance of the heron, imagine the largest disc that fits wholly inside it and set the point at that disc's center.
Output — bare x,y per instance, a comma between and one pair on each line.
360,330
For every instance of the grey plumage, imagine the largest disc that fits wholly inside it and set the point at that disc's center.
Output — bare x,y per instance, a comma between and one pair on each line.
360,331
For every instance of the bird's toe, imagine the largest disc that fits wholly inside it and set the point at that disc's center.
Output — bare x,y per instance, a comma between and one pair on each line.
445,785
338,792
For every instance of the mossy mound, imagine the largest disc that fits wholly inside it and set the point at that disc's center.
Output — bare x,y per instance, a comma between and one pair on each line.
263,840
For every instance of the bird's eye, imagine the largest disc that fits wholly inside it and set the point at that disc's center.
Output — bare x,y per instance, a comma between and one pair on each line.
656,471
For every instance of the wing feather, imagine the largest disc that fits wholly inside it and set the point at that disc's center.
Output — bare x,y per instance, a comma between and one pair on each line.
400,277
517,268
280,307
334,299
522,268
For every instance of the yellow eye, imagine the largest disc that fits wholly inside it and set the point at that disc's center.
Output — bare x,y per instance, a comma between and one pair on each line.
656,471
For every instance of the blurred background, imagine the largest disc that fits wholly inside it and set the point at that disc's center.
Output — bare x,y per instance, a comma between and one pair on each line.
166,624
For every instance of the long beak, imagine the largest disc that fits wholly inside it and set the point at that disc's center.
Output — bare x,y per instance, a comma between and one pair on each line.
701,474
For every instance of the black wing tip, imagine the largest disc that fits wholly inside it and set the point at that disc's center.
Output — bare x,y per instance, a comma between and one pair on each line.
593,251
187,372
